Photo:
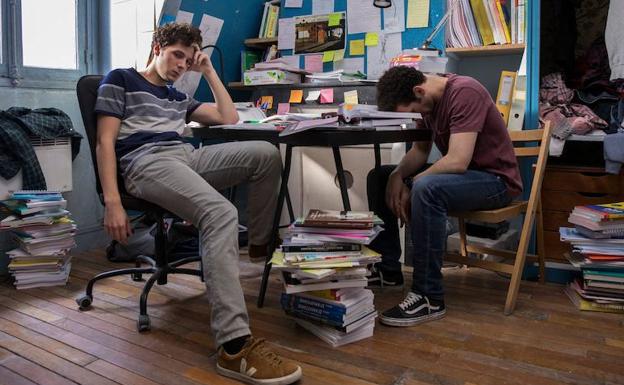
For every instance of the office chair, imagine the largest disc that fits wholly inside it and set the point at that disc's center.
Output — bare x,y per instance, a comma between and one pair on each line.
159,266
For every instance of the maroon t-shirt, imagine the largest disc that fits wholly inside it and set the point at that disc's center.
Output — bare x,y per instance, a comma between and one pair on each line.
466,106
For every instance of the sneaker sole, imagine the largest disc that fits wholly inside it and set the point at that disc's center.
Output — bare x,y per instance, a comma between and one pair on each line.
411,322
289,379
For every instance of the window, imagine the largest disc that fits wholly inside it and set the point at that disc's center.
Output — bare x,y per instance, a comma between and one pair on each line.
44,43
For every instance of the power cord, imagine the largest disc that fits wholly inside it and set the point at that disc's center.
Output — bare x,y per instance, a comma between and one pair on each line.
220,59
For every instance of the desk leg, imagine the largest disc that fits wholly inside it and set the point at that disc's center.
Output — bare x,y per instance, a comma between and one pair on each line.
291,212
341,178
377,149
275,229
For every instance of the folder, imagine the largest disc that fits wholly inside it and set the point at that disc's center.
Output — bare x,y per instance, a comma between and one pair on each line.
505,93
518,105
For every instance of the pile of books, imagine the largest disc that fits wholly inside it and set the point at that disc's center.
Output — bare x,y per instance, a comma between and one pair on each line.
598,250
368,116
324,265
44,233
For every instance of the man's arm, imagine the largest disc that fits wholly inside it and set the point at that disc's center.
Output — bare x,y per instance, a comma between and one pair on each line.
458,157
116,221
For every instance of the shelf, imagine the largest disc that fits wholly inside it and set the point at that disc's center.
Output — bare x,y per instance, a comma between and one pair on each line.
489,50
240,86
260,42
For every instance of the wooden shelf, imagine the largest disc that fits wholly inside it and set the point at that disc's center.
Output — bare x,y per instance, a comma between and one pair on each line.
260,42
488,50
240,86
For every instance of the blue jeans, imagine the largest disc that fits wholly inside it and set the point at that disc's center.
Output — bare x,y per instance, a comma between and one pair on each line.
433,196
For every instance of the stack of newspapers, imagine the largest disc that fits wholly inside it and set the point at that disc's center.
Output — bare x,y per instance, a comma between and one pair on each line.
41,227
324,266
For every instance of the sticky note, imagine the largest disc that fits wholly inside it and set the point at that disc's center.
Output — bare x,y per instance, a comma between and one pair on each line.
356,47
283,108
268,101
338,55
372,38
327,95
313,96
295,96
328,56
351,97
313,63
334,19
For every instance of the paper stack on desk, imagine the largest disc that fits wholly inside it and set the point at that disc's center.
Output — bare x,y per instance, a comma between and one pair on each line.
324,265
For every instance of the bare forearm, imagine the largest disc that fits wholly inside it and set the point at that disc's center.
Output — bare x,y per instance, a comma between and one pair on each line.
445,165
224,106
107,168
413,161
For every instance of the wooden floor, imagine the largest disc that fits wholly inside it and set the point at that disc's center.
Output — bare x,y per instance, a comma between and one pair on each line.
44,339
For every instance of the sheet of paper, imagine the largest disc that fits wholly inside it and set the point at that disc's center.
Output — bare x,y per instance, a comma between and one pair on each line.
334,19
356,47
327,95
210,28
417,13
169,10
322,7
351,97
314,63
394,17
293,3
378,57
339,55
328,56
350,65
313,96
184,17
371,39
286,34
292,60
363,16
267,102
283,108
295,96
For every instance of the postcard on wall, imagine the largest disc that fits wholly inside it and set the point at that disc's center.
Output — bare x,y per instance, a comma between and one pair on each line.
320,33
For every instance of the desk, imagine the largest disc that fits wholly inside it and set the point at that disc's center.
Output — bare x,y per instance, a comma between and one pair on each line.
334,138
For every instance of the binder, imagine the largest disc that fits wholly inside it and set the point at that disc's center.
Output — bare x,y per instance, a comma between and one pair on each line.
518,103
505,93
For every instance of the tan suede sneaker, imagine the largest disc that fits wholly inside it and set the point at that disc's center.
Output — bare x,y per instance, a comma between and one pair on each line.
257,364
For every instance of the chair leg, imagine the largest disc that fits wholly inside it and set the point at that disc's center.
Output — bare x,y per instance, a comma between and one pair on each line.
184,261
516,276
85,301
143,324
541,250
177,270
463,241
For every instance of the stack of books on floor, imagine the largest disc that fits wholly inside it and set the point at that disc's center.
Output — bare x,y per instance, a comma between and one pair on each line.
44,233
598,250
324,265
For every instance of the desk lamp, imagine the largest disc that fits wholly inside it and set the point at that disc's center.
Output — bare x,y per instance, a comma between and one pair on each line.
427,44
382,3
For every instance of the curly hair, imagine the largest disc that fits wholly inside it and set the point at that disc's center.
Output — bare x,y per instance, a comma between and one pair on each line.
173,33
396,87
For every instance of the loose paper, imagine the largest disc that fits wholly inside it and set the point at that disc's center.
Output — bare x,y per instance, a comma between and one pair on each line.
283,108
327,95
313,96
295,96
351,97
372,38
322,7
394,17
328,56
292,60
339,55
350,65
356,47
378,57
314,63
363,16
184,17
286,33
293,4
267,102
417,13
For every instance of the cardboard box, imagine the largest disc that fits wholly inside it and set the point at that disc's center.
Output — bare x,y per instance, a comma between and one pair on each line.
252,78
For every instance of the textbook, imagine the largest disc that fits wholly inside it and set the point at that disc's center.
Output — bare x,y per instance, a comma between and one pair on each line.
339,219
607,211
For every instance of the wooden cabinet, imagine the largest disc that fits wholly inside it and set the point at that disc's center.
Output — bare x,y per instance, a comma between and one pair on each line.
565,187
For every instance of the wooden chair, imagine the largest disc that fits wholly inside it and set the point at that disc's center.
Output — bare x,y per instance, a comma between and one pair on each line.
531,209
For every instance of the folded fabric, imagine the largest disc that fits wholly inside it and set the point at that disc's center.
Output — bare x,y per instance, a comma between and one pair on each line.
614,152
571,119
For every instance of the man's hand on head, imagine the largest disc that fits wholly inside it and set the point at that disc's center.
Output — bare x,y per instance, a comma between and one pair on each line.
201,62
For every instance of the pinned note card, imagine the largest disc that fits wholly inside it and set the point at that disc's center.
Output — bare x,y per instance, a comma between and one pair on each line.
283,108
417,13
313,96
334,19
372,38
338,55
314,63
295,96
327,95
267,102
351,97
328,56
356,47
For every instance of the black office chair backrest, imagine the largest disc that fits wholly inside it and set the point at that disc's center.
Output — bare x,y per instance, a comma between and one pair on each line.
86,89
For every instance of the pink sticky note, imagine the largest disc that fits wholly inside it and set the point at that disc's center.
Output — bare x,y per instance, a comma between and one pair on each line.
314,63
327,95
283,108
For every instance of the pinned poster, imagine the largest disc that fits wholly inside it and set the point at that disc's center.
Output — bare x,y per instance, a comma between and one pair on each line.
351,97
283,108
371,39
322,7
267,102
293,4
295,96
286,36
356,47
314,63
327,95
328,56
417,13
313,96
338,55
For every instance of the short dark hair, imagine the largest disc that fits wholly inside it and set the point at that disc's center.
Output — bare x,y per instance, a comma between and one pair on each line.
173,33
396,87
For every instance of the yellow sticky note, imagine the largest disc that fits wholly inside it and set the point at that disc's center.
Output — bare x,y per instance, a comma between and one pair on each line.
328,56
295,96
351,97
338,55
356,47
372,38
417,14
334,19
268,100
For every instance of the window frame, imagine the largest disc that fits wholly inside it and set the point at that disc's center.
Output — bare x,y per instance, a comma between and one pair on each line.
14,74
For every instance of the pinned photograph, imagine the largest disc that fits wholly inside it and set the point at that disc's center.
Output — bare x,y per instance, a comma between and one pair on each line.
320,33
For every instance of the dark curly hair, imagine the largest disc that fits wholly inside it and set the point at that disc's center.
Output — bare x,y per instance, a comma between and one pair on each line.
173,33
396,87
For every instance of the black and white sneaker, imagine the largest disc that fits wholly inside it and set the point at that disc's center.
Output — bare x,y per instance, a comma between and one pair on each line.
379,278
414,309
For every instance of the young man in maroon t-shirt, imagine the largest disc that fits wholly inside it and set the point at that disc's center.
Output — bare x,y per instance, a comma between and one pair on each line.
478,170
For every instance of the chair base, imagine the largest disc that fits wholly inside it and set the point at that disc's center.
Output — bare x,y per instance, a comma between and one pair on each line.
158,273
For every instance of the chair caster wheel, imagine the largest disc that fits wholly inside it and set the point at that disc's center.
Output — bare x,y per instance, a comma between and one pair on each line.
137,277
84,302
143,324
